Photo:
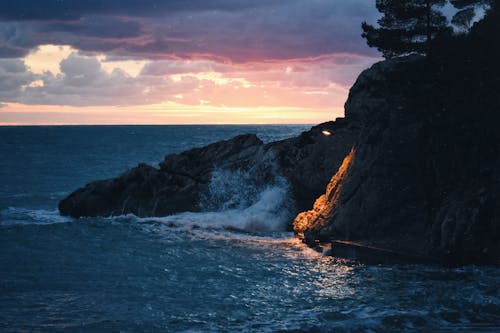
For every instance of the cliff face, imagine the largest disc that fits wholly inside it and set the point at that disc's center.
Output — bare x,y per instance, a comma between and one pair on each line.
326,204
421,178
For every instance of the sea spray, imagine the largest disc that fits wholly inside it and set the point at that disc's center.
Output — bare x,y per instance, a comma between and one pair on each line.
230,189
235,200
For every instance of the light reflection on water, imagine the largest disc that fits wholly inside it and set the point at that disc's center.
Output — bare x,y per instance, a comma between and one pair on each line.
105,275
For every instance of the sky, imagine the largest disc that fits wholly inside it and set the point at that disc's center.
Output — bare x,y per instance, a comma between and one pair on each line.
180,61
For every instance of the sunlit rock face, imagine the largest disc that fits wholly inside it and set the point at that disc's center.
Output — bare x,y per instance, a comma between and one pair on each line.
421,179
325,205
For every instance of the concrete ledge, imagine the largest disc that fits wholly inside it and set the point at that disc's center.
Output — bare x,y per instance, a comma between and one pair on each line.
373,255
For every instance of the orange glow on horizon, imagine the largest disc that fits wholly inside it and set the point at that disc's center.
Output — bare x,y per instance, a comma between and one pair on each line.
66,87
159,114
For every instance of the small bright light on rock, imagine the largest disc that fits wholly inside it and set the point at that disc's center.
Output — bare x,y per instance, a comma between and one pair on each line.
326,133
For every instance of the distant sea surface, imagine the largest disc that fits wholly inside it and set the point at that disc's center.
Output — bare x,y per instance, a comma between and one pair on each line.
194,272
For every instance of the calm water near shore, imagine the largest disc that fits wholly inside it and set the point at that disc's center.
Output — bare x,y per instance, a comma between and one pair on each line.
194,272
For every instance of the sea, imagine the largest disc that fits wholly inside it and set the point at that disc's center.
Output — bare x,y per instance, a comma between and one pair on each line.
211,271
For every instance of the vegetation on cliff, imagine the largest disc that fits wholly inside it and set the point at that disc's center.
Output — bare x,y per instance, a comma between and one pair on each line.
406,26
419,26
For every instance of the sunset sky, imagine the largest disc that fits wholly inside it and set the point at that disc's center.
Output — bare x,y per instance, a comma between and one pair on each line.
180,62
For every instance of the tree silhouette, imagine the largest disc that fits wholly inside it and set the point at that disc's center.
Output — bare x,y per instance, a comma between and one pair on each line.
467,11
463,19
406,26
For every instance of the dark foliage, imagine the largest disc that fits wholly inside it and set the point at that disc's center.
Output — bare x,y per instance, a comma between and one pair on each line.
406,27
467,11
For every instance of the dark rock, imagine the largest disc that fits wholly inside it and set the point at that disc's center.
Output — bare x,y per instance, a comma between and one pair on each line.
184,178
143,191
147,191
366,254
419,180
307,160
198,163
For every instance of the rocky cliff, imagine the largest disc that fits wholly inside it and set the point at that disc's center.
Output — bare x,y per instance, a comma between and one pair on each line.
421,178
182,180
415,163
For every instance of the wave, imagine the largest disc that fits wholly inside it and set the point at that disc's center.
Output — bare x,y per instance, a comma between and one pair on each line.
268,213
238,210
236,201
25,216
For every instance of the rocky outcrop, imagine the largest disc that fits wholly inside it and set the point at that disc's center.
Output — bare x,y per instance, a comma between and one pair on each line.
183,179
175,187
420,179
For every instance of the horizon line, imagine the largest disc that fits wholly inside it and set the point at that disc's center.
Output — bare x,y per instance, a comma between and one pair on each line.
185,124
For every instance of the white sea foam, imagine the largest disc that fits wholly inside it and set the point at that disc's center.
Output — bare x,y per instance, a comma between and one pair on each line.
236,201
25,216
268,213
241,212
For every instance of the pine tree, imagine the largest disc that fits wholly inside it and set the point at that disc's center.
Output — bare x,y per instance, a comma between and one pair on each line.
406,26
463,18
467,11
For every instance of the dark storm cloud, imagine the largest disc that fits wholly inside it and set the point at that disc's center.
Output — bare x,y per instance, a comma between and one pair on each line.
74,9
13,75
231,30
100,27
12,52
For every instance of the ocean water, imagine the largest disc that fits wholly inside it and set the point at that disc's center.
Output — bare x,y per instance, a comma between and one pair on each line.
232,268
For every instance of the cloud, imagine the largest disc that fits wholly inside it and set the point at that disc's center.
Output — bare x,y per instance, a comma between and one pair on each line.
225,31
74,9
83,81
255,54
171,67
97,26
13,76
